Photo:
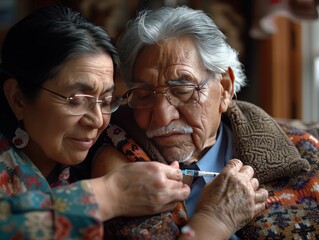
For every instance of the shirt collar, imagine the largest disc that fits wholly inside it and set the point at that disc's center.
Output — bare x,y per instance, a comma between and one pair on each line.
218,155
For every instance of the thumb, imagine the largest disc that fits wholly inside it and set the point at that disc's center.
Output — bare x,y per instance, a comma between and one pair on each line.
234,164
175,164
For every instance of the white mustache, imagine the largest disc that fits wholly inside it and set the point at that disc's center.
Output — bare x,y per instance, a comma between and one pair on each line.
172,128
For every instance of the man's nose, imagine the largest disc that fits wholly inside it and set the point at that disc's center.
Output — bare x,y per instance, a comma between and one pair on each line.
163,111
166,93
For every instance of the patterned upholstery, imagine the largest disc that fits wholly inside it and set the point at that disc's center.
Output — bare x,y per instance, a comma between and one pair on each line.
310,127
292,209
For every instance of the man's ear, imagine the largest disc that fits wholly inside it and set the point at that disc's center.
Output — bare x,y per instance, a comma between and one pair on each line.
14,97
228,89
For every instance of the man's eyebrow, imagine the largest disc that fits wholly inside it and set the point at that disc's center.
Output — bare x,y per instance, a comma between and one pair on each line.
180,81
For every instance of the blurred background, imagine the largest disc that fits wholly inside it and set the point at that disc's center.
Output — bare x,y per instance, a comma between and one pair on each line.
278,43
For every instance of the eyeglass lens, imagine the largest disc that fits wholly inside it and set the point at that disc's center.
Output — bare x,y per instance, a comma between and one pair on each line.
81,104
144,98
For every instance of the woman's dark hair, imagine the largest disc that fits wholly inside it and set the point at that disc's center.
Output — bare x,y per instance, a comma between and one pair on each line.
38,45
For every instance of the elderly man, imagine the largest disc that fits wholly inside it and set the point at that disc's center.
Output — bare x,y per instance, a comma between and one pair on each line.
182,76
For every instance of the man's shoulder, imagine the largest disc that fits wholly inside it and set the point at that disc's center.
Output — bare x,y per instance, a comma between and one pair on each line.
292,198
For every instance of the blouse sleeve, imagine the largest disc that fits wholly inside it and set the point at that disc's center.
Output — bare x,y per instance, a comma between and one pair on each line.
68,212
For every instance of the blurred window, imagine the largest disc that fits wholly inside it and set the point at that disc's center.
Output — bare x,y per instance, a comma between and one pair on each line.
310,82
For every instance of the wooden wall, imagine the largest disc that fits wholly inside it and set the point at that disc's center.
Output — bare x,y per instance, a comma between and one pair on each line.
280,71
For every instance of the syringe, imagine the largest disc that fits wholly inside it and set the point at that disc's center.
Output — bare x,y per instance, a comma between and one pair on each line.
198,173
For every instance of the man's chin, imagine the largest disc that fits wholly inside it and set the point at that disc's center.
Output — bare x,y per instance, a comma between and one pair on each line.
177,154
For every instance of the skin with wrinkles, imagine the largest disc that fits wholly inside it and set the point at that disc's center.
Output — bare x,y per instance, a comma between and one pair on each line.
58,137
42,75
234,197
227,203
185,133
172,60
55,135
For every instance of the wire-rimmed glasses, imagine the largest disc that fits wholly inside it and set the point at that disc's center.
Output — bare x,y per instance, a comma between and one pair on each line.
80,104
178,96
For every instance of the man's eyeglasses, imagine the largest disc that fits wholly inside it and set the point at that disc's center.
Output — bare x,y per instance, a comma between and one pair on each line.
178,96
80,104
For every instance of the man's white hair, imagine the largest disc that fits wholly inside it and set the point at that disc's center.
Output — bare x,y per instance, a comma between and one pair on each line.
152,26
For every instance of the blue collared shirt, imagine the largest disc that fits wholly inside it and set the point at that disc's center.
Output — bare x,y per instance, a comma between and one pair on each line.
214,161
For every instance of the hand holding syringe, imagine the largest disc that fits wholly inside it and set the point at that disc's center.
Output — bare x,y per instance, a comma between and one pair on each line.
198,173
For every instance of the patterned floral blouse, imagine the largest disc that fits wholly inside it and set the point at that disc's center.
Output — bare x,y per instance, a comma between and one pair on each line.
32,208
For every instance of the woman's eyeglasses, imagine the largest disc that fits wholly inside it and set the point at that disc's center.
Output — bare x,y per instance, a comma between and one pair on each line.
80,104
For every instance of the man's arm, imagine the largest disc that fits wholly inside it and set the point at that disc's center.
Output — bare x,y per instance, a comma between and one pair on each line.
106,160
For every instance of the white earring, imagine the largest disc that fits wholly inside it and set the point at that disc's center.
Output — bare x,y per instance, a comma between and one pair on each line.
21,138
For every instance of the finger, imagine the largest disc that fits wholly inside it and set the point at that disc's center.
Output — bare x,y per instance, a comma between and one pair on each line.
172,172
248,171
254,183
261,195
233,164
180,194
169,206
173,184
259,207
175,165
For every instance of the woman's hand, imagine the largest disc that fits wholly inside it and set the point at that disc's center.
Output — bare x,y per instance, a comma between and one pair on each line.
229,202
140,188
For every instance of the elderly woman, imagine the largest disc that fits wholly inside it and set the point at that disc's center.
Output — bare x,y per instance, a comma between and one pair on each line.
56,99
182,76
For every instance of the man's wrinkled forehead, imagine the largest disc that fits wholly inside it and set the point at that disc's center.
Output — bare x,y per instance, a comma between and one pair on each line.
170,51
167,58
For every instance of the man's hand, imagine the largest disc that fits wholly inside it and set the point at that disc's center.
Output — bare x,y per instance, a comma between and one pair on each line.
229,202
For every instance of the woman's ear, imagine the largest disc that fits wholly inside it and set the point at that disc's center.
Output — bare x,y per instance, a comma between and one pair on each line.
227,83
14,97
